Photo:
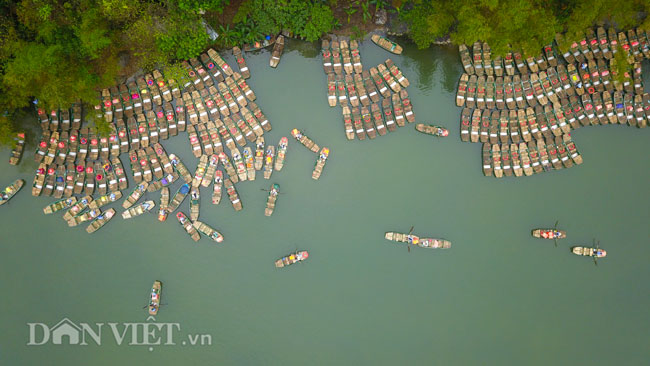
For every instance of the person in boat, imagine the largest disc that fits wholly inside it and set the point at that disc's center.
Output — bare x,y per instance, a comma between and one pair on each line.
195,195
410,239
323,156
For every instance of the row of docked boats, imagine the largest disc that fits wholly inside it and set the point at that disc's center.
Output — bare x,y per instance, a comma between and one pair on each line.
377,120
341,56
547,87
70,179
595,45
366,87
483,125
529,158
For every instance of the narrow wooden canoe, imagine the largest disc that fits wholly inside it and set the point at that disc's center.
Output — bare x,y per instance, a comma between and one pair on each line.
387,44
154,300
292,258
11,191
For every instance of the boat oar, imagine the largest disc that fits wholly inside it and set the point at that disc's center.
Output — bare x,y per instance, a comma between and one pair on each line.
554,230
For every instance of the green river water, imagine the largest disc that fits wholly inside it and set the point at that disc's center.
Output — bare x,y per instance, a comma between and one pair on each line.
497,297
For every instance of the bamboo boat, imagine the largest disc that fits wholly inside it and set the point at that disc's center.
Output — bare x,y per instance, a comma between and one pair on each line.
496,161
100,178
208,231
573,152
487,160
259,153
387,44
227,165
331,90
432,130
11,191
178,197
49,181
589,251
397,73
406,104
164,204
241,62
232,194
398,111
505,160
180,168
379,82
211,169
466,59
474,129
86,216
200,171
154,300
60,182
462,89
104,200
59,205
272,198
362,120
387,116
551,234
327,56
278,48
320,163
347,57
292,258
388,78
347,123
281,153
250,163
77,208
99,221
516,160
138,210
42,147
119,171
416,240
139,190
304,140
352,92
525,159
268,159
465,120
19,147
187,225
195,201
216,192
356,57
239,164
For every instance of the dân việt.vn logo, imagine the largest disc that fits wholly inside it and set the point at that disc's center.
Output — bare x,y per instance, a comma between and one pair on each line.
67,332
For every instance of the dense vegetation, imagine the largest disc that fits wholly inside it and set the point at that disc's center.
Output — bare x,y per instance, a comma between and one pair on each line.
62,51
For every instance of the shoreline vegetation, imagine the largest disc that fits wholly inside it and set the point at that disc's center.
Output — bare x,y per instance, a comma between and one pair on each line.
58,52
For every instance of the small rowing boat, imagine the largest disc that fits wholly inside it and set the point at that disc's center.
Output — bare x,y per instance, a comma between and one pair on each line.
320,163
292,258
232,194
281,153
138,210
59,205
187,225
11,191
154,301
432,130
270,201
208,231
304,140
278,48
387,44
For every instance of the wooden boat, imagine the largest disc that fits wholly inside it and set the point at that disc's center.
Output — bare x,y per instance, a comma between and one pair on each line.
138,210
77,208
292,258
164,204
505,160
487,160
484,126
11,191
208,231
432,130
187,225
239,164
227,165
259,153
387,44
59,205
281,153
272,198
487,59
19,147
551,234
154,300
86,216
496,161
466,59
462,89
104,200
336,57
59,182
257,112
474,129
241,62
100,221
304,140
525,159
278,48
351,90
362,122
477,53
416,240
327,56
589,252
347,123
470,100
320,163
371,88
347,58
195,201
139,190
331,90
388,78
178,197
516,160
573,152
216,192
406,104
268,159
200,171
356,57
355,122
232,194
465,120
398,111
180,168
119,171
378,118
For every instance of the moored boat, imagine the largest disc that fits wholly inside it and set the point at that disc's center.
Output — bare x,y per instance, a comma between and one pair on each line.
208,231
432,130
195,201
232,194
320,163
138,210
100,221
187,225
278,48
259,153
292,258
139,190
268,161
77,208
281,153
86,216
11,191
304,140
387,44
272,198
59,205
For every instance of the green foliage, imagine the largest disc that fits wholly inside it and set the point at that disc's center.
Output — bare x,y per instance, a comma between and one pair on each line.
180,39
7,131
620,65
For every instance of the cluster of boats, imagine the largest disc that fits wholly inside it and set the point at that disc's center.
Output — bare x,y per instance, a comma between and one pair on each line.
554,234
373,101
313,147
595,45
529,158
